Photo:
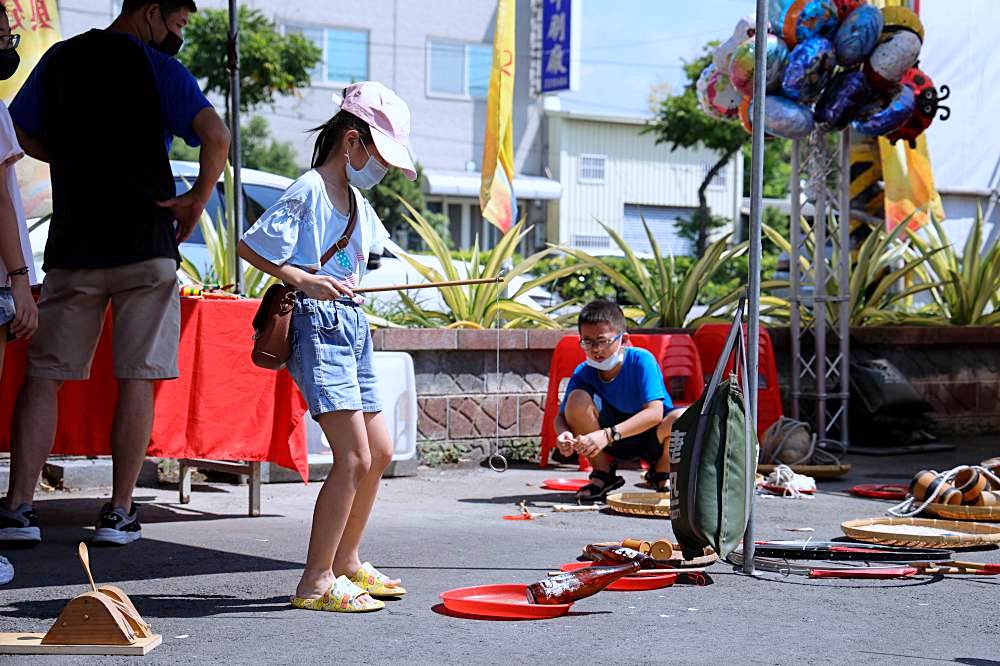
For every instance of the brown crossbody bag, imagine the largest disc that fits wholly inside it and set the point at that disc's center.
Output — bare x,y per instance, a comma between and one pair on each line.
272,325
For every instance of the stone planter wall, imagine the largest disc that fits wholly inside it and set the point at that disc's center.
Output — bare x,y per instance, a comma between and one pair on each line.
956,369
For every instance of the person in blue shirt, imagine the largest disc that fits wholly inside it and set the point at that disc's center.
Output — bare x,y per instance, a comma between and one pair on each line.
106,104
616,405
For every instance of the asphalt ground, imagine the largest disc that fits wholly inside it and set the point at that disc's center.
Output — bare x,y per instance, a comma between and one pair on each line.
215,583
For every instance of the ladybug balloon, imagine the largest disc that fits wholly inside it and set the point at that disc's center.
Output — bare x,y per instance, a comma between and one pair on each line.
927,104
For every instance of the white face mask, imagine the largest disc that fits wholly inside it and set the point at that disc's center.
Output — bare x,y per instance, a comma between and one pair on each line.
370,175
610,363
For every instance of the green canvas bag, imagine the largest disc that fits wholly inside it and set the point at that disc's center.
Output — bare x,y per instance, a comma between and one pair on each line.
713,460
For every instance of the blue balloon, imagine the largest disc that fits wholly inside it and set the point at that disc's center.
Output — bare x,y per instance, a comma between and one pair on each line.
810,65
858,35
785,118
842,100
795,21
878,120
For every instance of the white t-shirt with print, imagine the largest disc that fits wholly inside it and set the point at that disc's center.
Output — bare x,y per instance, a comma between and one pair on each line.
10,153
303,224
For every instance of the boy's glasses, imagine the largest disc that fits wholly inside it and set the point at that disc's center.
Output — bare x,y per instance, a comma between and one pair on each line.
600,344
9,42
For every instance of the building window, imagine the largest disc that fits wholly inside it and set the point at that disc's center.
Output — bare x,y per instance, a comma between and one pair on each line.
663,224
592,169
345,53
591,241
458,69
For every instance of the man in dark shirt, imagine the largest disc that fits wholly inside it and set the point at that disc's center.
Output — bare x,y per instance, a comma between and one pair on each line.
106,104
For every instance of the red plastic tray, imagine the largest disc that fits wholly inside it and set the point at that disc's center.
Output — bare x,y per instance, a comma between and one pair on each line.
888,491
635,583
571,485
499,601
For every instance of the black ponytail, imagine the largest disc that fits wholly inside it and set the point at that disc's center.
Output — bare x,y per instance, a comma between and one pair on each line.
331,132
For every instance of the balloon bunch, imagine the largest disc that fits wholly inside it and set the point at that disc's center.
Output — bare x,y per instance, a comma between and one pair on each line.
829,64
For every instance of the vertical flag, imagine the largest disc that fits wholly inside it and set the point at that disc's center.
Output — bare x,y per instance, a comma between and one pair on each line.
37,21
496,194
909,184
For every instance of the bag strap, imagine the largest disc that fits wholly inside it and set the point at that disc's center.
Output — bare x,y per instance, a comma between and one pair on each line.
735,331
345,239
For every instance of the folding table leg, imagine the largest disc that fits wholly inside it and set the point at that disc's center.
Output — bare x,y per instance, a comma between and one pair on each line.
254,488
184,482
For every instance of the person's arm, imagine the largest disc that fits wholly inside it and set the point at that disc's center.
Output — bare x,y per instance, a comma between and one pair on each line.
34,147
320,287
214,137
646,418
26,315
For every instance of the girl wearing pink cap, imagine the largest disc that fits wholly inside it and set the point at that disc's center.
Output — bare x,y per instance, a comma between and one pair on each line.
317,238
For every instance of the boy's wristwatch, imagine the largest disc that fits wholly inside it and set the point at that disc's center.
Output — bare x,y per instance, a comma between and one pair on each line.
615,435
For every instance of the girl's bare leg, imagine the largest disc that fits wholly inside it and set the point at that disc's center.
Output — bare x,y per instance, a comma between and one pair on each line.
347,560
346,432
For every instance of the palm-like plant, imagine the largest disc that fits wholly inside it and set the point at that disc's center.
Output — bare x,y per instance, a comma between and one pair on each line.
475,306
968,292
666,296
883,260
218,235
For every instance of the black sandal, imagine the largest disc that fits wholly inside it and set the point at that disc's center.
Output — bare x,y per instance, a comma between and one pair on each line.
594,492
659,481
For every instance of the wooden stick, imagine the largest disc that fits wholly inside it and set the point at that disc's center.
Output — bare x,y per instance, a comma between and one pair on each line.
647,572
428,285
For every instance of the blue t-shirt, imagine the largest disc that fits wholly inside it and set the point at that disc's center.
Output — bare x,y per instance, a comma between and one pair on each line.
640,381
181,99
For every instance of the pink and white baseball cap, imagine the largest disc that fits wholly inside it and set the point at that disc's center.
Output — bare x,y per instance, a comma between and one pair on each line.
389,118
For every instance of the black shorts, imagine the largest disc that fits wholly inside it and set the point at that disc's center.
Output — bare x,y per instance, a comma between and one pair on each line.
644,446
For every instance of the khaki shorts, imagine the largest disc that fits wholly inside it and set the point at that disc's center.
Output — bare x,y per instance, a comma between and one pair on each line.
146,321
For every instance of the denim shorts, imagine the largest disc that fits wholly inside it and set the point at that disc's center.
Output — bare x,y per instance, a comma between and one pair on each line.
6,306
332,357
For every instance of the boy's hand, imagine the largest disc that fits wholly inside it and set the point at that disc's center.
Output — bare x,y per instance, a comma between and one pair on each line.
26,312
592,443
565,442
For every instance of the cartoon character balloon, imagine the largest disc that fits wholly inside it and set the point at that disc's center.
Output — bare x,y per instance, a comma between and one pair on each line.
879,119
744,114
845,7
798,20
898,47
716,94
745,29
810,65
743,62
842,100
928,103
858,35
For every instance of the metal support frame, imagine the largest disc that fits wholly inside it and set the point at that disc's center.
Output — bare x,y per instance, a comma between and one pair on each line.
249,469
820,287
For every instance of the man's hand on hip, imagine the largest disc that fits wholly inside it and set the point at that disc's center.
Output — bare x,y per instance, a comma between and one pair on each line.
187,210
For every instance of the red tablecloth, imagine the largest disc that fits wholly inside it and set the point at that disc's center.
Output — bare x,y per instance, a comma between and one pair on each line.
222,407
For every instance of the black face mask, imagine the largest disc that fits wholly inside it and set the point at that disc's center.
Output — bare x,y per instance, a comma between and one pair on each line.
171,44
9,60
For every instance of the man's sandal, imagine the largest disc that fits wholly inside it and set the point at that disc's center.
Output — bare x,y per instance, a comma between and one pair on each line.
658,481
601,483
342,597
376,583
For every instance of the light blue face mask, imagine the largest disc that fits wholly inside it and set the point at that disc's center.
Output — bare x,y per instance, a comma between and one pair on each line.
370,175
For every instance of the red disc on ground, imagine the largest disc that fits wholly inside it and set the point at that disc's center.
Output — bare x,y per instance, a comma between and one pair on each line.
508,601
571,485
635,583
886,491
864,572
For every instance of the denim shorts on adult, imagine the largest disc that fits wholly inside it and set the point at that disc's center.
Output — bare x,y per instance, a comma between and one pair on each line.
332,357
6,306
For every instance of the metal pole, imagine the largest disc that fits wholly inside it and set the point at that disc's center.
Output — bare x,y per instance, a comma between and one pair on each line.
843,283
233,64
795,276
753,318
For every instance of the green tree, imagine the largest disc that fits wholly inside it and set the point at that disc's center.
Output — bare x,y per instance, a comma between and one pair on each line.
385,199
681,123
258,150
271,64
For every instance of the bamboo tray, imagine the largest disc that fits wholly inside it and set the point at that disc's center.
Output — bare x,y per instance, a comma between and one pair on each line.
653,505
907,532
815,471
987,514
